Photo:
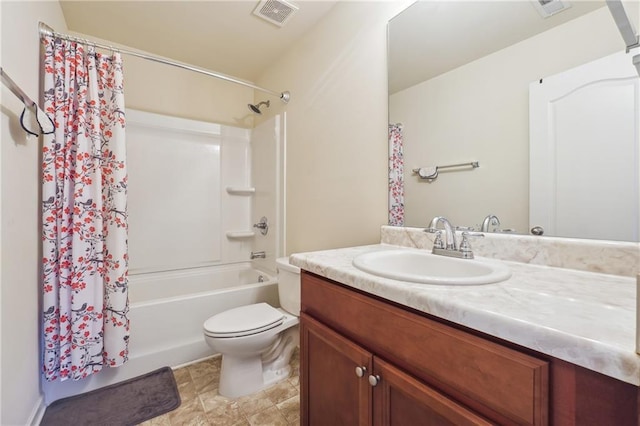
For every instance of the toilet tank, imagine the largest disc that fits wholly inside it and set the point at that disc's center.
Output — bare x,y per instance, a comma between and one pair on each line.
288,285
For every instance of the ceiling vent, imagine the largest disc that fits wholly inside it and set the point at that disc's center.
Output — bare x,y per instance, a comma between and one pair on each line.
278,12
547,8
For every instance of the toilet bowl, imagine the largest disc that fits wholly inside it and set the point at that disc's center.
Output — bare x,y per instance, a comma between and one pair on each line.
256,341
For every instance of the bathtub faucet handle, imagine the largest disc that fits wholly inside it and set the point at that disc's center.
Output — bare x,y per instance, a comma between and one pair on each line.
258,255
263,225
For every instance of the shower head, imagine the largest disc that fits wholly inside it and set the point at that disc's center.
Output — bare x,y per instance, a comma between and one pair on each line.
256,108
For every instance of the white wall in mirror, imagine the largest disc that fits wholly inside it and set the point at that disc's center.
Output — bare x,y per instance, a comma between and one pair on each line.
479,112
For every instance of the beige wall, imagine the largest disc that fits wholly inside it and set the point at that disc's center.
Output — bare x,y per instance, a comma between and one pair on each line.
163,89
479,112
336,127
19,287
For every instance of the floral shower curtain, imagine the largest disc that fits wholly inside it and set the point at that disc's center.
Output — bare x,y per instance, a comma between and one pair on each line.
84,212
396,176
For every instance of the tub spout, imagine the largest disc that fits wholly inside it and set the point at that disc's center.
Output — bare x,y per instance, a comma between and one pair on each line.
258,255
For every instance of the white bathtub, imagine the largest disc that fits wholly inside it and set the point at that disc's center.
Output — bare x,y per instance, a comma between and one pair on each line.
167,311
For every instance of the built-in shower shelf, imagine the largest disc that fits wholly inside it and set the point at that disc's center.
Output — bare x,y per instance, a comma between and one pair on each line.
236,235
240,190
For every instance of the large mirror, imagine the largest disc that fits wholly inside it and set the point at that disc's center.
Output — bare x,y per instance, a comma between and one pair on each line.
462,79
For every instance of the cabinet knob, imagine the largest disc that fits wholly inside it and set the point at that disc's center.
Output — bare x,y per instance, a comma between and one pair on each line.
374,380
360,371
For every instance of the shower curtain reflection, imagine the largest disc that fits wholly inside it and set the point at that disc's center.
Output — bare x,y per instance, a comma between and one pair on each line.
396,177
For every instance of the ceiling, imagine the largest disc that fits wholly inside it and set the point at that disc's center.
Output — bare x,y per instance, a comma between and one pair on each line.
432,37
222,36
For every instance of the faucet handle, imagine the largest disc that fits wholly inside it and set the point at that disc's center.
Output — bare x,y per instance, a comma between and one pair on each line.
437,242
465,247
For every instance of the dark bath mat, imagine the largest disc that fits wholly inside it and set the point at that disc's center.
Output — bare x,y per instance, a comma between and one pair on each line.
129,402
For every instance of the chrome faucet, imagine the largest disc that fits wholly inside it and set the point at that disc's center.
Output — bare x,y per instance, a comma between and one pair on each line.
258,255
449,247
490,219
449,232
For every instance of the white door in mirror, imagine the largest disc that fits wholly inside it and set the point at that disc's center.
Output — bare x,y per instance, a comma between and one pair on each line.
586,117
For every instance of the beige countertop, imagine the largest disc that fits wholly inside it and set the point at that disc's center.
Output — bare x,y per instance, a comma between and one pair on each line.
585,318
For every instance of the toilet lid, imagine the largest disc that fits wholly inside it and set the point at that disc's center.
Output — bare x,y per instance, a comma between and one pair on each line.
243,321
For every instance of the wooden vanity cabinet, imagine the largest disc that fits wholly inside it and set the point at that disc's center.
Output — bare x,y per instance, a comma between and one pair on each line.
415,371
435,373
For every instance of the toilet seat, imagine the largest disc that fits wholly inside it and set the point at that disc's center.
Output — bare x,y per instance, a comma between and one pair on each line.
243,321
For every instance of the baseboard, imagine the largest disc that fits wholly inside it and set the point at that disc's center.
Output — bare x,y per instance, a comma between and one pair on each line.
186,364
37,413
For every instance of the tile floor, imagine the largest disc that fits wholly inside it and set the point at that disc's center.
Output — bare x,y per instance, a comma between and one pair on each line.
203,406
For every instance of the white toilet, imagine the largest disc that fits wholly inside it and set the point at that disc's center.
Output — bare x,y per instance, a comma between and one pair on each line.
256,341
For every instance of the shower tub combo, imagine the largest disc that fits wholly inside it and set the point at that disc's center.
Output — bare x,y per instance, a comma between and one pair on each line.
168,308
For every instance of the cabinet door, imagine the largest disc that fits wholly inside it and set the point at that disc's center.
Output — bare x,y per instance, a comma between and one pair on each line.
400,399
332,393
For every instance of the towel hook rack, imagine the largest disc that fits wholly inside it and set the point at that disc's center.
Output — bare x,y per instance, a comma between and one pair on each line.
45,124
431,173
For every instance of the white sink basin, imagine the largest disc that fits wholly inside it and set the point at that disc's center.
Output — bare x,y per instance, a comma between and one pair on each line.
427,268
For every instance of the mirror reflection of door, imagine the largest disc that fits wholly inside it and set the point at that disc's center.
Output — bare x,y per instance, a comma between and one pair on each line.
581,120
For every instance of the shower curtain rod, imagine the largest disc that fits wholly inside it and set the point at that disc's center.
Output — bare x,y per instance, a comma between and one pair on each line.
625,26
46,30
